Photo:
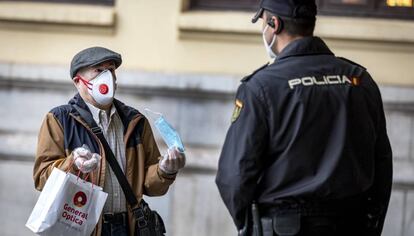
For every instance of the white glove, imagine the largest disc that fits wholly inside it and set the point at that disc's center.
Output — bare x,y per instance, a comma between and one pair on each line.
172,161
85,161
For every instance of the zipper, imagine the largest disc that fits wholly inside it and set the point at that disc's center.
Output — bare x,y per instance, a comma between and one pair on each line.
128,133
131,126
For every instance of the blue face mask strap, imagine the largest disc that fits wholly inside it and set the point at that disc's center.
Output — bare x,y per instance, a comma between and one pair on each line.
153,114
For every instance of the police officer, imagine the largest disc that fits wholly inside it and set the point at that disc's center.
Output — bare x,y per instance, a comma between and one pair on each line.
308,140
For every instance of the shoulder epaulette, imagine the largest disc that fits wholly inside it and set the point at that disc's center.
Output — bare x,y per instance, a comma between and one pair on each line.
352,62
246,78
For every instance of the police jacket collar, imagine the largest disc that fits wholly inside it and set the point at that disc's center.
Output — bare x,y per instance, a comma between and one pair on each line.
304,46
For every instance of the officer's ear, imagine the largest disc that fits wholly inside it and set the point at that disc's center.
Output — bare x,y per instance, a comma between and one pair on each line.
276,23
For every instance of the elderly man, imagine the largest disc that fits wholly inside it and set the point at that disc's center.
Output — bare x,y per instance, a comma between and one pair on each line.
67,142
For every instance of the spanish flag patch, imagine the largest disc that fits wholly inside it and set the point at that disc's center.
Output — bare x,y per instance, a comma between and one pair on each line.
237,109
356,81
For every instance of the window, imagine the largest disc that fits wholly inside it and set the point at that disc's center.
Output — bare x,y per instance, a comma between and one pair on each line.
247,5
100,2
401,9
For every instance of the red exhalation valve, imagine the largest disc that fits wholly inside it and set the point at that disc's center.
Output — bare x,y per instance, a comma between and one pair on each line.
103,89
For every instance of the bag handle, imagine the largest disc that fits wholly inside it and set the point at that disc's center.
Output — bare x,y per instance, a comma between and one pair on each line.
110,157
71,163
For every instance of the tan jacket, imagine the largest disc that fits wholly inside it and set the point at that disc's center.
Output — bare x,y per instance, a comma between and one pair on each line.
63,130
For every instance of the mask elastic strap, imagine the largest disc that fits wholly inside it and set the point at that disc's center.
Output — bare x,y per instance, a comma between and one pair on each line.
273,41
273,37
86,83
153,112
264,30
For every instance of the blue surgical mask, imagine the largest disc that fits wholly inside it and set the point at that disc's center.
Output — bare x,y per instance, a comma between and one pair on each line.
167,132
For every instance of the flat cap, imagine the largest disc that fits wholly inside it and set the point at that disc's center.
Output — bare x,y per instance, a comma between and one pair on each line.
297,9
93,56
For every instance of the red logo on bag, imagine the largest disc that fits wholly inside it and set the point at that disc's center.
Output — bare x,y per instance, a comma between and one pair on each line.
79,199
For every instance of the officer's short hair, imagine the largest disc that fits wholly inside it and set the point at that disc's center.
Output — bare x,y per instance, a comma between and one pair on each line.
296,27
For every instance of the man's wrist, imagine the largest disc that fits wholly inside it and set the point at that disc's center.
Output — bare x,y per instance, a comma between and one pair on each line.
164,174
167,172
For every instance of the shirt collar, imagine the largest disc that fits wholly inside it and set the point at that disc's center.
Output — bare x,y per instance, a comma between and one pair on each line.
96,111
304,46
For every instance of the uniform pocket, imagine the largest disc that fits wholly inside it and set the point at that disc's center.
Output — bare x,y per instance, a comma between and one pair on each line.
267,226
287,224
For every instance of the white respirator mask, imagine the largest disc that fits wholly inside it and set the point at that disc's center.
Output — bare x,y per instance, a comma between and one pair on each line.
102,88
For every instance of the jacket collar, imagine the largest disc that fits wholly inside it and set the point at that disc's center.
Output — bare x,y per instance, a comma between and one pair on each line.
126,113
304,46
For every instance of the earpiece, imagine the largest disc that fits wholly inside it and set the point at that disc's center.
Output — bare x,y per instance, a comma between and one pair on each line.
271,23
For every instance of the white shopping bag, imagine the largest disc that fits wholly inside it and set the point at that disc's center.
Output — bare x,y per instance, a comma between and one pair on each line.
67,205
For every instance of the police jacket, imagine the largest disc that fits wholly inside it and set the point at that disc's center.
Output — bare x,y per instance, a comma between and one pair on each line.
309,126
63,130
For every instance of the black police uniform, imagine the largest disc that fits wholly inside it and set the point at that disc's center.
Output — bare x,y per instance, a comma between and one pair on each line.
308,135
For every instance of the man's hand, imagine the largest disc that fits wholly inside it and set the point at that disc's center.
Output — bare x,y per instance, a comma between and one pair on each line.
85,161
172,161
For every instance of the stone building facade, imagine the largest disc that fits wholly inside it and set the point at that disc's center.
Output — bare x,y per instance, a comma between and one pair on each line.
186,64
